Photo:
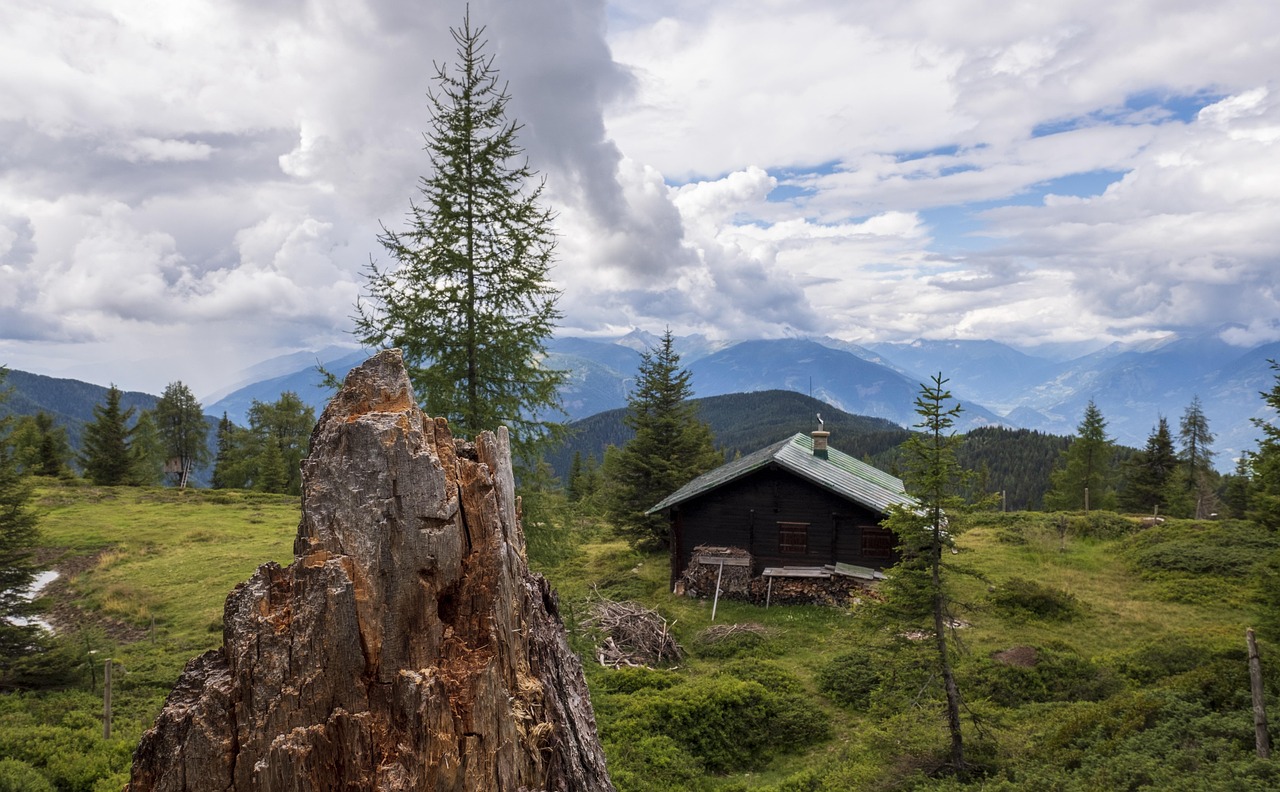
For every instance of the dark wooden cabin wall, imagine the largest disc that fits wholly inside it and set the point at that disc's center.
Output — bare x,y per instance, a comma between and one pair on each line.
746,513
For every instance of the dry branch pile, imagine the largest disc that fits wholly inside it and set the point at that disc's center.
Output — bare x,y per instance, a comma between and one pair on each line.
635,636
723,632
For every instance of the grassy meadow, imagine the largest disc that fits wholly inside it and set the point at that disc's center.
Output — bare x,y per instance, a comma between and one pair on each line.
1137,676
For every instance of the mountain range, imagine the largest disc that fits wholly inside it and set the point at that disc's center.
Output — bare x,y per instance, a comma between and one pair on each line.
998,385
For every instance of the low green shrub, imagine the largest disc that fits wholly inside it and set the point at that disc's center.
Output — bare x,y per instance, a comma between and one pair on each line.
1228,548
18,776
850,678
1020,597
630,680
1050,675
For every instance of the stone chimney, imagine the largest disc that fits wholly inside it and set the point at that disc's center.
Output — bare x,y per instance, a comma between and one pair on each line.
820,443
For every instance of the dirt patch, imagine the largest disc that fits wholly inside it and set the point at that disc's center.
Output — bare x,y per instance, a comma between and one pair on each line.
1018,656
64,613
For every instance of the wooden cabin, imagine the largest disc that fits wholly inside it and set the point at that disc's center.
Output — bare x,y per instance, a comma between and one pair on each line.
796,504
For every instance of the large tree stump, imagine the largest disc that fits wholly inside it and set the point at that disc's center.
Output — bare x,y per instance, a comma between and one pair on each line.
407,647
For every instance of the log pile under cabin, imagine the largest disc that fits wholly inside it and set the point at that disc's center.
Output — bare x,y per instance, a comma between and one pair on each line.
407,647
731,569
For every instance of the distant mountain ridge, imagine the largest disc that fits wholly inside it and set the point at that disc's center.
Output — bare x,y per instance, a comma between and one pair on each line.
1133,385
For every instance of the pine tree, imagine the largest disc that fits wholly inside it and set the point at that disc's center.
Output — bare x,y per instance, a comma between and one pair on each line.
468,300
183,431
670,448
916,592
1150,472
1264,497
40,446
1196,453
272,473
230,466
104,452
1084,478
18,537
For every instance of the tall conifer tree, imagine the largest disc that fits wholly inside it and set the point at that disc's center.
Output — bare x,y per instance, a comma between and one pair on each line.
104,453
468,299
1084,480
1150,472
1198,455
916,592
671,446
1264,497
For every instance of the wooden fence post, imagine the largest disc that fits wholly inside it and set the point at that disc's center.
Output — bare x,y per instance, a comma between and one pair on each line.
1261,738
106,700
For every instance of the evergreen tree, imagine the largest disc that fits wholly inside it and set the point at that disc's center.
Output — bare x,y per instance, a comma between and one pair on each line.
1150,472
916,592
1084,479
18,536
286,424
1196,453
183,431
104,452
671,445
1264,497
272,472
146,452
40,446
468,300
231,461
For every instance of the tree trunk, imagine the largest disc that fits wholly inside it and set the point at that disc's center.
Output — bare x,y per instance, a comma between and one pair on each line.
944,657
407,647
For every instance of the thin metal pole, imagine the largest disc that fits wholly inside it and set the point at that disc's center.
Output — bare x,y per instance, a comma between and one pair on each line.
716,601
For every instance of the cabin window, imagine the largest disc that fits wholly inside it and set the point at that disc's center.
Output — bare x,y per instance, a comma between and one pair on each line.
793,538
877,543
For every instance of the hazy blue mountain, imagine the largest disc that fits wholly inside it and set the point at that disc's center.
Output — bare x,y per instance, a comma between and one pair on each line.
307,382
988,372
833,376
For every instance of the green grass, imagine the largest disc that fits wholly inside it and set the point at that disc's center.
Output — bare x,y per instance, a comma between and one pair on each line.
1137,659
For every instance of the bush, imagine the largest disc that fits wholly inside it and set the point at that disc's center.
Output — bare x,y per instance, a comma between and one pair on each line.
17,776
630,680
1022,597
1229,548
850,678
727,722
1053,675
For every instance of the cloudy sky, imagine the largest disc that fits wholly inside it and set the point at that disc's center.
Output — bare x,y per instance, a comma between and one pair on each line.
187,188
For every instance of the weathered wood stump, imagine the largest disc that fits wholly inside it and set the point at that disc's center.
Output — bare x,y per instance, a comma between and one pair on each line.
407,647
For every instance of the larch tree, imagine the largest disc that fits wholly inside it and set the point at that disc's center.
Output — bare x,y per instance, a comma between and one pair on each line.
286,425
671,446
180,422
104,452
468,298
146,452
1084,479
916,592
1197,440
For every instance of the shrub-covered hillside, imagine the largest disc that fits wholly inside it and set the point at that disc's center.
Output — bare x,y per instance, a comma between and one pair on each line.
1105,656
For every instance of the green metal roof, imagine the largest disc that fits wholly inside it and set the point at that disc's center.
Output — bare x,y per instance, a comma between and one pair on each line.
838,473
